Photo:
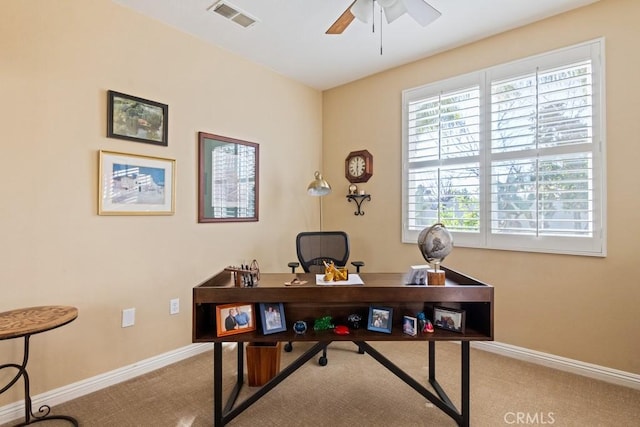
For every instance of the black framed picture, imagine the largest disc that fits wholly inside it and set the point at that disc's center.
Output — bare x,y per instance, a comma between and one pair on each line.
450,319
272,316
380,319
137,119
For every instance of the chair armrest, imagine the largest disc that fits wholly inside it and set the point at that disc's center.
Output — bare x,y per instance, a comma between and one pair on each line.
293,266
357,265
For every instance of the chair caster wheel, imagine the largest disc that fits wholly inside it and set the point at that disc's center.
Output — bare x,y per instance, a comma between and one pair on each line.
361,351
322,361
288,347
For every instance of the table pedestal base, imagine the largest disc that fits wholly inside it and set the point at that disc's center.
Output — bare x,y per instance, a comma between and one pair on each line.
44,410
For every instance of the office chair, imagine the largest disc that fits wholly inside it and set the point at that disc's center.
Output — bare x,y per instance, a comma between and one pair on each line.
314,248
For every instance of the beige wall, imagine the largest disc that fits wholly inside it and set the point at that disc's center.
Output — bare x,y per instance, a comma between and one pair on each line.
57,60
582,308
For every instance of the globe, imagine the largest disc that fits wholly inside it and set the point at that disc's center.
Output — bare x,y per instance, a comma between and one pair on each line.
435,243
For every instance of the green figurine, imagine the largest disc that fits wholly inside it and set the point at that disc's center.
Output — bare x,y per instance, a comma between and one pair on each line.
323,323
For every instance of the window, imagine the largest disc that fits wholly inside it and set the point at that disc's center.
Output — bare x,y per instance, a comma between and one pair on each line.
511,157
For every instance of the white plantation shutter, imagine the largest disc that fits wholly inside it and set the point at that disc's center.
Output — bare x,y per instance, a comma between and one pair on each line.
510,157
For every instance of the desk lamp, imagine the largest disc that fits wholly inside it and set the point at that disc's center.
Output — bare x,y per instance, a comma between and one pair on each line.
319,187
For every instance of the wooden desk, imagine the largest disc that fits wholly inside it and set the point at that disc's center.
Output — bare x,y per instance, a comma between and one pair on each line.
25,322
311,301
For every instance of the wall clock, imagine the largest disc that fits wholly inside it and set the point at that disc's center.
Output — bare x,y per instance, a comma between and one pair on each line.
358,166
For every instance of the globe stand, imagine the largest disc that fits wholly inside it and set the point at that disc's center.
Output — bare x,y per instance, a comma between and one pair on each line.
435,277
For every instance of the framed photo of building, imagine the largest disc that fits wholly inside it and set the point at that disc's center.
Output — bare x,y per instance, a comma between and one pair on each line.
228,183
236,318
131,184
450,319
272,317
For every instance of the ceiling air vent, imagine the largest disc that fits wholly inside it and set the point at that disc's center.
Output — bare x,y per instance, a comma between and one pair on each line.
231,12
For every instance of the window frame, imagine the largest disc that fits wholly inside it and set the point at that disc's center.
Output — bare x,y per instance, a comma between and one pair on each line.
485,239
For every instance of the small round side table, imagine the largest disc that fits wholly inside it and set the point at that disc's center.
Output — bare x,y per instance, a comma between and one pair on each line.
25,322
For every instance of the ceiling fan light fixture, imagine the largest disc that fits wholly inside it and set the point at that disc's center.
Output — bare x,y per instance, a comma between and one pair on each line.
393,9
363,10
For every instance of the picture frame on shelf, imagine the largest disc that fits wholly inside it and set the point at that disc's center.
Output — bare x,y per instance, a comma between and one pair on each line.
228,179
451,319
236,318
380,319
410,325
133,184
136,119
272,317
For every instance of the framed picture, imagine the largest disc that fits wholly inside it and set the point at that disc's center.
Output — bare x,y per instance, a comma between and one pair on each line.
380,319
272,316
136,119
131,184
450,319
410,325
234,318
228,179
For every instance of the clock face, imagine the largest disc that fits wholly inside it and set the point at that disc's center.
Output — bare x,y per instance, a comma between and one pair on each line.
356,166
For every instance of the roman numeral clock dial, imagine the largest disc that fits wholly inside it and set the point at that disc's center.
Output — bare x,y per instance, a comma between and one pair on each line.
359,166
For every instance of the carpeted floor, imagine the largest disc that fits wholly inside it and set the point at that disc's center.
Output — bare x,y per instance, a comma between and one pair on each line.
354,390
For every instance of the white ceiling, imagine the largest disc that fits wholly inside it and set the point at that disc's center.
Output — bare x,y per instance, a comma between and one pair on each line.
290,35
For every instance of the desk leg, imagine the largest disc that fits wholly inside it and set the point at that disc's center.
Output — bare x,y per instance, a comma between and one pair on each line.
217,384
44,410
465,386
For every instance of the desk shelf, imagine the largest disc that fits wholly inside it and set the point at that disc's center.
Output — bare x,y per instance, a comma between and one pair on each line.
380,289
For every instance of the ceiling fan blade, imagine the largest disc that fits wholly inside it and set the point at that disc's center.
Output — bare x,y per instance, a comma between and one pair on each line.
342,22
421,11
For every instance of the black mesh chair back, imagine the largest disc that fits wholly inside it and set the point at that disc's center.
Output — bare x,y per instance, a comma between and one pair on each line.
314,247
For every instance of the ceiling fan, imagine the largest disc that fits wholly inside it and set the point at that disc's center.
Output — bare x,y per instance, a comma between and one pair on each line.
419,10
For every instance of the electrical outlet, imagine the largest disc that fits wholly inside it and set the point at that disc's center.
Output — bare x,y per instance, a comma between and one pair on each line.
128,317
174,306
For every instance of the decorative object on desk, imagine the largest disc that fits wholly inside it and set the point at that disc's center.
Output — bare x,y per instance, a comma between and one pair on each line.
354,321
319,187
323,323
272,316
358,166
353,189
450,319
380,319
245,275
331,273
228,181
417,275
410,325
341,330
295,282
435,243
137,119
428,327
300,327
234,319
358,199
130,184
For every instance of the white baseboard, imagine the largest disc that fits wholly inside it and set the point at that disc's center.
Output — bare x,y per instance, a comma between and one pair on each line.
602,373
60,395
